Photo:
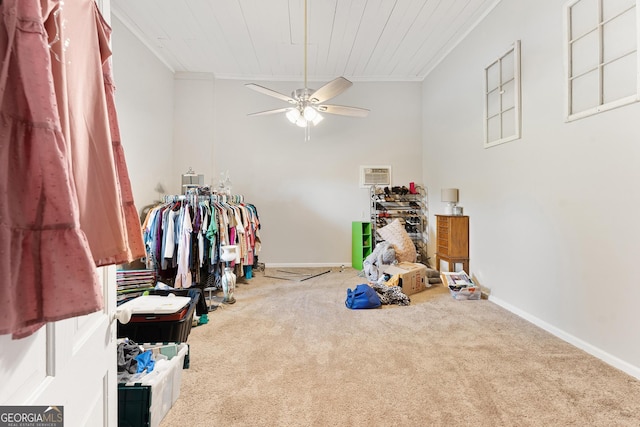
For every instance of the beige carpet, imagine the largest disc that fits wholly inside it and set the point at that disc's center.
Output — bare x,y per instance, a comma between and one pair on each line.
289,353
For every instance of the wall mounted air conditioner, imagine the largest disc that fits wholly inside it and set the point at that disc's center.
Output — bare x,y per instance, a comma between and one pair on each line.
375,175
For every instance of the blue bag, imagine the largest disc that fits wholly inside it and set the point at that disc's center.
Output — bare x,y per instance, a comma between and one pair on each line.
363,296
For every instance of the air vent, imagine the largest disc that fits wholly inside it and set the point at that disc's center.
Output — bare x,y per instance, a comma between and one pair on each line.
375,175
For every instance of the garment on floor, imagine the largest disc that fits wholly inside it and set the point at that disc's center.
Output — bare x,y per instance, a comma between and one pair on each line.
390,294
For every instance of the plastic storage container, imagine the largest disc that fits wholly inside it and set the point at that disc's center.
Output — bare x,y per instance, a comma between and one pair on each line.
145,403
158,323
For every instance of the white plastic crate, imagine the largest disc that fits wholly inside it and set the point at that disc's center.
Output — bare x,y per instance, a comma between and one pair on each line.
162,385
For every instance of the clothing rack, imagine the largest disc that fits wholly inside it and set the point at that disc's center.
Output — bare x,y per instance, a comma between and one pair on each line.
183,235
194,198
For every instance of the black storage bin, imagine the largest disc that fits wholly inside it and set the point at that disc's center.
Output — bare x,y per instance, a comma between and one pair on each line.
153,328
133,406
193,292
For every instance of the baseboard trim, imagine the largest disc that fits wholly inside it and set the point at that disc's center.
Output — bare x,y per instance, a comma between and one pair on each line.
307,264
609,359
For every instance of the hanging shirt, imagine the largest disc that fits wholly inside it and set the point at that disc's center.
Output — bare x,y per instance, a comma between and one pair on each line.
132,232
183,275
170,234
79,49
47,269
212,232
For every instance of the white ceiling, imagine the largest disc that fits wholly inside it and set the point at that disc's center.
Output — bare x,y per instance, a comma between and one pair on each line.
362,40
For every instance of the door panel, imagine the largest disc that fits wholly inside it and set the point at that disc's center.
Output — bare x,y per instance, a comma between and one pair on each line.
22,367
70,363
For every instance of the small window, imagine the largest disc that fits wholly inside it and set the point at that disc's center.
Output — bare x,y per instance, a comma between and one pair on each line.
502,98
601,56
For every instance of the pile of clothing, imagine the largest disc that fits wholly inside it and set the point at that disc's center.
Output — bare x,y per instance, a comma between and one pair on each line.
133,359
373,267
389,294
387,286
383,255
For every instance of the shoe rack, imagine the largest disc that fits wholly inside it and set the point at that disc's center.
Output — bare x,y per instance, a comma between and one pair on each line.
410,207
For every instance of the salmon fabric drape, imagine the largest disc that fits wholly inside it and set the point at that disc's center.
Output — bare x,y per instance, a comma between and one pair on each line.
61,204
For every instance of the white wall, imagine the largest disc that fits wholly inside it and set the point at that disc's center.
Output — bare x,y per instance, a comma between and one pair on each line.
307,193
193,144
144,98
553,233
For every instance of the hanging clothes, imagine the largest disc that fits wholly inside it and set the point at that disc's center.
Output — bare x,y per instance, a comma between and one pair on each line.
46,265
184,245
79,47
66,203
183,277
132,231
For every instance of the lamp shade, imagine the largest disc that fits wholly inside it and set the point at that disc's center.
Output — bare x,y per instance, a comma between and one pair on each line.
292,115
449,195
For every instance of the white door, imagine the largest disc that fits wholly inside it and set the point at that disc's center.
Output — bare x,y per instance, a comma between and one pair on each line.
70,363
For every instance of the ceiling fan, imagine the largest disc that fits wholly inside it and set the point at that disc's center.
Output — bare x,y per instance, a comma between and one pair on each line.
307,103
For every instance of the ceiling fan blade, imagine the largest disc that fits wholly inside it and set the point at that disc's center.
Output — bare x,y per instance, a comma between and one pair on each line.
267,112
343,110
270,92
332,89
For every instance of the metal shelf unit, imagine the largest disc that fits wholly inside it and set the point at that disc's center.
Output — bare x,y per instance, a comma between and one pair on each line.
411,209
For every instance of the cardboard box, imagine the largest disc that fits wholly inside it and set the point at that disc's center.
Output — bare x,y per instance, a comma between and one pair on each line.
413,276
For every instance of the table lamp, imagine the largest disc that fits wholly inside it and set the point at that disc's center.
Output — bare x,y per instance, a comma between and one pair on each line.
450,196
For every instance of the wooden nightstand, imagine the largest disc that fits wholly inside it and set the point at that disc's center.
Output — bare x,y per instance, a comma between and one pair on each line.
453,241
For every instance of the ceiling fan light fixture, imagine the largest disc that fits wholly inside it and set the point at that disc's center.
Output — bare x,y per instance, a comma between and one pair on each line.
317,119
301,122
309,113
307,103
293,115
